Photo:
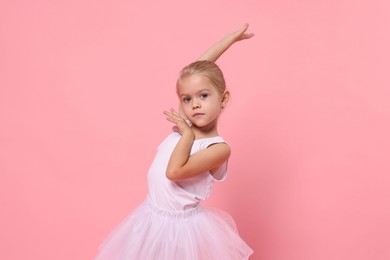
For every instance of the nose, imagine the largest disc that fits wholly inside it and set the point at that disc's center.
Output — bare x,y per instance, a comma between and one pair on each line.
195,104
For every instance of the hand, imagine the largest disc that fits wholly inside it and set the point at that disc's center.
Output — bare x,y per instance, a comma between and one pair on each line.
240,34
181,111
215,51
181,126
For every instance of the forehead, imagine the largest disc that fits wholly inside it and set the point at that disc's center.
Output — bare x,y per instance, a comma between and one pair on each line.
194,83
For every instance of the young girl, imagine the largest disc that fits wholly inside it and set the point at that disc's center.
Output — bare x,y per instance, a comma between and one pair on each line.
170,224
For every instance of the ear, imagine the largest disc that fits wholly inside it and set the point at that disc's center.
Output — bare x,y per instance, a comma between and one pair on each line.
225,99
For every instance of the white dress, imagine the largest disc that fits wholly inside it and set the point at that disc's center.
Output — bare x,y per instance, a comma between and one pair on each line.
171,224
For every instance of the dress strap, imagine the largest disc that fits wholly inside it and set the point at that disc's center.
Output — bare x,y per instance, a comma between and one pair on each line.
209,141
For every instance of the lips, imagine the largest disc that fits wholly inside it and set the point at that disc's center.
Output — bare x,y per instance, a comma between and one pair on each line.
197,114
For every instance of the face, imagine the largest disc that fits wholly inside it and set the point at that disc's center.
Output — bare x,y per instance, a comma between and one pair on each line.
201,101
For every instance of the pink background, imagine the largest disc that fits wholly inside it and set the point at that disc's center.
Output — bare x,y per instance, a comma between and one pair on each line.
83,85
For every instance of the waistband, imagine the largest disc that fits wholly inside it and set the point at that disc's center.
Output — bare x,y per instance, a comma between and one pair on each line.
185,213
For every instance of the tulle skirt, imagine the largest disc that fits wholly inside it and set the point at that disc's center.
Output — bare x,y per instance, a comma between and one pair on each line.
149,233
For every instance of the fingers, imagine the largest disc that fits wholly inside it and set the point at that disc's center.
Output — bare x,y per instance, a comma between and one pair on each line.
175,129
173,116
175,113
248,35
244,28
180,125
242,33
172,120
172,113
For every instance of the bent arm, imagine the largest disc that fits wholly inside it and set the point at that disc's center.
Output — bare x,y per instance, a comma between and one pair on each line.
185,166
215,51
181,165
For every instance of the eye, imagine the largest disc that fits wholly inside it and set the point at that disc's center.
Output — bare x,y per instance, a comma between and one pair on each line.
186,99
204,95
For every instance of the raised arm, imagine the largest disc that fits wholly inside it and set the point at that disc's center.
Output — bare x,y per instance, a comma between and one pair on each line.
215,51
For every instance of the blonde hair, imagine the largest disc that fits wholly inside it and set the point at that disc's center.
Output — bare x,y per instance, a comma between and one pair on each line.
208,69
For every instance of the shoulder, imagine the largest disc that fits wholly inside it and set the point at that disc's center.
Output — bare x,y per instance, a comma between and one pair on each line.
221,146
208,142
219,151
216,145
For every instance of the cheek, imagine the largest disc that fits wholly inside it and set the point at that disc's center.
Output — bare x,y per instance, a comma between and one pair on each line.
217,103
187,109
214,108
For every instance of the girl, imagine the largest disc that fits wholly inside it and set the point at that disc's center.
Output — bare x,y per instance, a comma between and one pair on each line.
170,224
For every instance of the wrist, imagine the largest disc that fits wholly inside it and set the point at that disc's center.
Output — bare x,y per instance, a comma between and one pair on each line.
229,39
188,135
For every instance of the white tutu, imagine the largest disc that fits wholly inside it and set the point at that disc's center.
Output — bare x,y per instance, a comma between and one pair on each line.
149,233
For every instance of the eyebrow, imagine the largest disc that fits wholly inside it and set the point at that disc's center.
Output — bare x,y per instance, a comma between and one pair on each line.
205,89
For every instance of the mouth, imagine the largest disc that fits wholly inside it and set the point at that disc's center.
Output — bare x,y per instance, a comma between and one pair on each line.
197,114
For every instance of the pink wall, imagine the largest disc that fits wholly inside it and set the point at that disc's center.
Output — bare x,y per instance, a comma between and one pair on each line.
83,85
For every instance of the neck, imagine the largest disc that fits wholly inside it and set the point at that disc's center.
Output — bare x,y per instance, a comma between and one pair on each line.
205,131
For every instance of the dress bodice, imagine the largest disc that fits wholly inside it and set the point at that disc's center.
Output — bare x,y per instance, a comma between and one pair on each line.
184,194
